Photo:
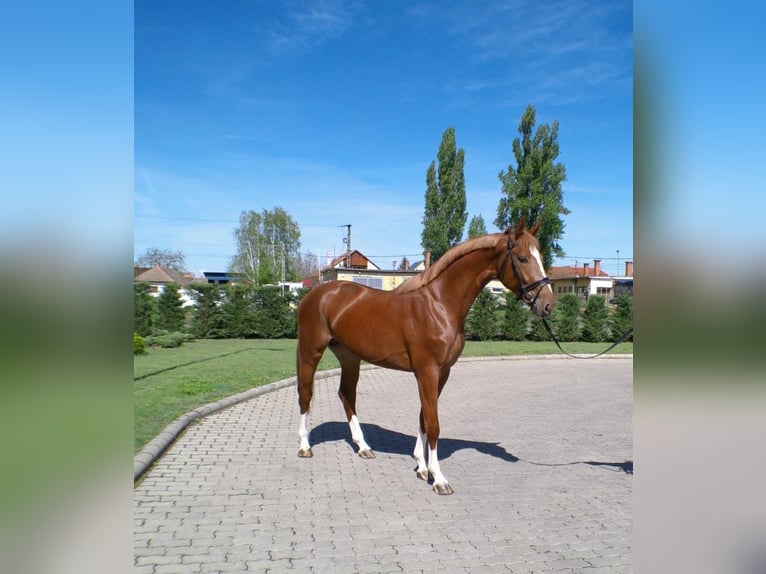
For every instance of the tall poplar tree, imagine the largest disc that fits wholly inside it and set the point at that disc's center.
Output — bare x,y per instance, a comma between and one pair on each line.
533,188
445,204
476,227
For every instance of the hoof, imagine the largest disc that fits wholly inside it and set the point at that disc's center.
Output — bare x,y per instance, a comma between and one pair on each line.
443,488
423,475
366,454
305,453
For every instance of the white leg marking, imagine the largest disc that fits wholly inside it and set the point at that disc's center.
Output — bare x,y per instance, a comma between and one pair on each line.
420,455
433,468
303,432
356,434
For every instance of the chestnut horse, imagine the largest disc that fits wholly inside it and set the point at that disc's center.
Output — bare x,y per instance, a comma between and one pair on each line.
417,327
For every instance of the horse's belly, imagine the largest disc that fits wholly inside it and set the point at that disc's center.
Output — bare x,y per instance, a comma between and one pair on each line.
398,362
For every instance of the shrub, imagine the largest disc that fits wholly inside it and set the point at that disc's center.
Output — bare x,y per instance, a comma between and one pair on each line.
170,311
237,310
207,319
515,318
537,331
275,318
622,320
594,320
144,309
566,318
482,322
167,340
139,345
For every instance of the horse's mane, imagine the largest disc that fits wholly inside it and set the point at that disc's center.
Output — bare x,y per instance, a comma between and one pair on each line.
424,278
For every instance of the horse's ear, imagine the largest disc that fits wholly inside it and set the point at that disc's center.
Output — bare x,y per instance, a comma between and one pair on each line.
536,227
520,227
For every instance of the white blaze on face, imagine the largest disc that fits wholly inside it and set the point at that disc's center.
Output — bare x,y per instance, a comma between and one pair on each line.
536,254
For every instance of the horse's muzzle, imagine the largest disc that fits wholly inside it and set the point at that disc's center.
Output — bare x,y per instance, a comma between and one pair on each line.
545,303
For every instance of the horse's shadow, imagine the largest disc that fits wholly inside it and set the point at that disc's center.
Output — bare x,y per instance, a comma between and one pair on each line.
393,442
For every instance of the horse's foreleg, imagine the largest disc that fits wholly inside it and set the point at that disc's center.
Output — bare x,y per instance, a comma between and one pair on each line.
304,450
430,387
349,378
420,452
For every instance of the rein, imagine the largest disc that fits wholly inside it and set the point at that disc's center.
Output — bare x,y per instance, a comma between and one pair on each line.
612,346
525,292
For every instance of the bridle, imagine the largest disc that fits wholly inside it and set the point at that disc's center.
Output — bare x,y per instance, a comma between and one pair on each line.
527,293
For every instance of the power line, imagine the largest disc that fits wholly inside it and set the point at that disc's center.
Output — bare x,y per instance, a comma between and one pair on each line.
213,220
591,258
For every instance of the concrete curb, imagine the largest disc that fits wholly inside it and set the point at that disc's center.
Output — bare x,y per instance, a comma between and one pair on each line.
159,444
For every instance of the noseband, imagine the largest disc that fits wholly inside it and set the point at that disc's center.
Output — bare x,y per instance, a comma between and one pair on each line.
528,293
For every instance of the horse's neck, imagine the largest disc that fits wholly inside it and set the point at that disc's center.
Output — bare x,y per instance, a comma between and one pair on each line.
461,282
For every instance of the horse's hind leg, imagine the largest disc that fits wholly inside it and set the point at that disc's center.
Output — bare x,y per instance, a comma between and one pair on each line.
349,377
308,355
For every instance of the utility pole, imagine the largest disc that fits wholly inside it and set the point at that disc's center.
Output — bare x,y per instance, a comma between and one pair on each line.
347,241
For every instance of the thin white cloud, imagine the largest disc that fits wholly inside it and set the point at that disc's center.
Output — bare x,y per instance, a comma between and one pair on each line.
309,24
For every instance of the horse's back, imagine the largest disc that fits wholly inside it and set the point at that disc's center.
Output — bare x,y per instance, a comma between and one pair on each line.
329,300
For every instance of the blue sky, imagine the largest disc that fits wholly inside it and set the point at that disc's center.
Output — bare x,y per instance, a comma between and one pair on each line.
333,110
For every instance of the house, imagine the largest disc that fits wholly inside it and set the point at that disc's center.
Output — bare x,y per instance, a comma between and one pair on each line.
583,281
157,277
222,277
354,266
624,285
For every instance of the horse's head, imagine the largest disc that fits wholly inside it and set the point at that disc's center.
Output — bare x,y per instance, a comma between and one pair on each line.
521,269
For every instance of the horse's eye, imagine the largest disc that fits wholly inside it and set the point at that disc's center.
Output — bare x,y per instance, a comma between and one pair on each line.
523,259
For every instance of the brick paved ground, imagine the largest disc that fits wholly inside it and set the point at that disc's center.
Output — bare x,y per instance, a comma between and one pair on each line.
539,452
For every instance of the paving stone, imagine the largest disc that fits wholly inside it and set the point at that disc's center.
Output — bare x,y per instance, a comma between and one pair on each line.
534,449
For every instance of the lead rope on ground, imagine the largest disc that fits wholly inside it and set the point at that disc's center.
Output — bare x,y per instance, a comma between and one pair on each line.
613,345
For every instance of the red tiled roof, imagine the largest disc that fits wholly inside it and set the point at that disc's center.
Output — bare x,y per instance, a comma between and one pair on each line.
356,258
572,271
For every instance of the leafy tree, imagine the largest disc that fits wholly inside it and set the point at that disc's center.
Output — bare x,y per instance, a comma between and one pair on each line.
594,320
143,309
164,258
566,318
476,227
237,311
207,320
515,318
481,322
305,265
267,246
533,188
622,320
170,311
445,203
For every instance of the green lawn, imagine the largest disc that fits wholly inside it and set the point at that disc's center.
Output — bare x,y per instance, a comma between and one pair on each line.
171,382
